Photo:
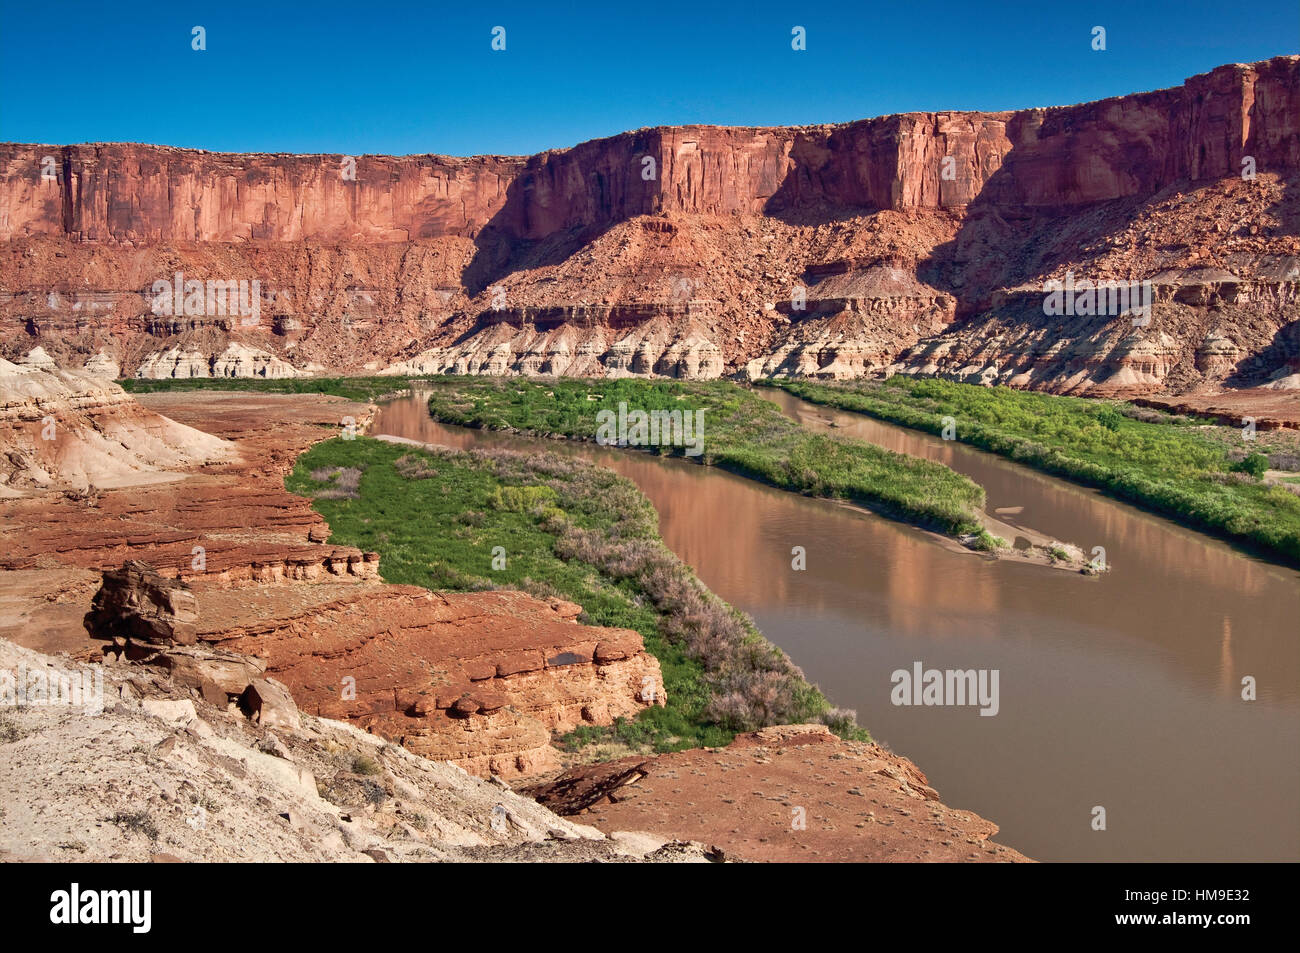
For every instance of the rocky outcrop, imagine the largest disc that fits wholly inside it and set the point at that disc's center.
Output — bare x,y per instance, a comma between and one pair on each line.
232,526
680,251
237,360
480,679
1205,326
101,365
787,793
37,360
150,618
229,560
663,346
853,320
137,606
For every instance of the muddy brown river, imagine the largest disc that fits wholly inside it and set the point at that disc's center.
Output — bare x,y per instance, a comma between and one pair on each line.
1122,691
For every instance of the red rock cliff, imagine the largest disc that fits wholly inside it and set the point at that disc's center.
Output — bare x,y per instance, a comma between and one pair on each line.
668,250
1130,145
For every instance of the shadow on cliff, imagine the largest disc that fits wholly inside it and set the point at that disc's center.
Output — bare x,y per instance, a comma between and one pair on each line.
811,194
1001,244
1281,355
501,249
499,252
1001,241
1288,210
998,244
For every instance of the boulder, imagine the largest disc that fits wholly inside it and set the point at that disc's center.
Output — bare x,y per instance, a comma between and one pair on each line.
135,603
269,704
215,673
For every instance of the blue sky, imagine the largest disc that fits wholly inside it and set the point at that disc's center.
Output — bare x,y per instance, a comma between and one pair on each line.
407,77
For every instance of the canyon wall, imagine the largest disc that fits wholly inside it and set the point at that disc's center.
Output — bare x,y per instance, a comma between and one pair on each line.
1115,148
686,247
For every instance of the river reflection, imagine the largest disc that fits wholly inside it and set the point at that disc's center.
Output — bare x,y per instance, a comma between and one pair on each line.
1121,690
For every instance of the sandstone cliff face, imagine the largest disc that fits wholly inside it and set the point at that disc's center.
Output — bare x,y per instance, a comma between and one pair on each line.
481,679
676,251
1114,148
151,194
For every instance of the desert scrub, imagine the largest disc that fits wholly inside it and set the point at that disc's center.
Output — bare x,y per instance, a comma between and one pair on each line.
579,531
1190,471
340,482
9,731
138,822
742,433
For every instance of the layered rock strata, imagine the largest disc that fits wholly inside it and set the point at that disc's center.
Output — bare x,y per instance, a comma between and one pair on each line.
154,771
479,679
223,556
64,429
916,242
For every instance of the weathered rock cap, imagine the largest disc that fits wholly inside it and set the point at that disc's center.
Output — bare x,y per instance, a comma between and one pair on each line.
136,603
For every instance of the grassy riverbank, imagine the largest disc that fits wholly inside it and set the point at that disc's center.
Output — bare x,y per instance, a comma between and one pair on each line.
574,530
353,388
741,432
1202,475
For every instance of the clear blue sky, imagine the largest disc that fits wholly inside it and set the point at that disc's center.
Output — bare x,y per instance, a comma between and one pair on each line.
408,77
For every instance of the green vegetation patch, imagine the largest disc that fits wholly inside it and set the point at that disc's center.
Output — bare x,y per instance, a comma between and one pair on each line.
353,388
741,432
1196,473
577,531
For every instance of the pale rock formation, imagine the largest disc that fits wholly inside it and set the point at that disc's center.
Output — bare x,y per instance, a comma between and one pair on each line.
153,770
68,429
237,360
175,363
240,360
38,360
662,347
102,365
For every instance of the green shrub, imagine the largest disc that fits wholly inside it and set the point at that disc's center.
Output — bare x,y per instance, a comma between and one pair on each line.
1110,418
741,432
522,499
1255,464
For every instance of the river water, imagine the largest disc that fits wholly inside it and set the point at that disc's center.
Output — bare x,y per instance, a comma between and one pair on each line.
1121,691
